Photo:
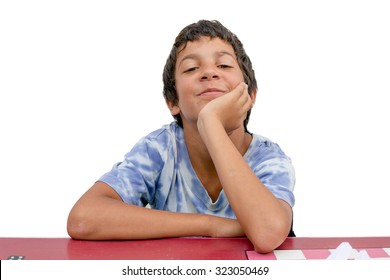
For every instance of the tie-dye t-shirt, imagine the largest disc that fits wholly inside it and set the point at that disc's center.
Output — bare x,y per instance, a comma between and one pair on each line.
158,171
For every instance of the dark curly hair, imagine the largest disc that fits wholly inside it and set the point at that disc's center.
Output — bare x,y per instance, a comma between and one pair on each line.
193,32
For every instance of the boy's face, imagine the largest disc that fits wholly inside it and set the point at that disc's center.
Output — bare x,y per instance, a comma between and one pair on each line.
205,69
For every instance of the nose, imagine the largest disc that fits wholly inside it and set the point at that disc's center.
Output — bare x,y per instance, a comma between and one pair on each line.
209,74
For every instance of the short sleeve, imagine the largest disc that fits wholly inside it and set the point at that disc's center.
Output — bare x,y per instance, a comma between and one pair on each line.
275,169
134,179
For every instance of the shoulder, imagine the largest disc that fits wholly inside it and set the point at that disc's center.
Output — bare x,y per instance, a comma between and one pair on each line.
273,167
265,155
265,147
164,135
158,141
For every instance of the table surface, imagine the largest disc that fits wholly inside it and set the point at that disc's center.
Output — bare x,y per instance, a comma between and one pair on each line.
164,249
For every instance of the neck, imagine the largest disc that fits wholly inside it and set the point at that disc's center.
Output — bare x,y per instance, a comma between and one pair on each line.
197,150
202,162
199,155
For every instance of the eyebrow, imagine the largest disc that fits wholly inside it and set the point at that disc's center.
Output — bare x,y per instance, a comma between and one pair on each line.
195,56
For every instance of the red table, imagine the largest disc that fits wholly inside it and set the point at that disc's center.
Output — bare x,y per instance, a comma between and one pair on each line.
163,249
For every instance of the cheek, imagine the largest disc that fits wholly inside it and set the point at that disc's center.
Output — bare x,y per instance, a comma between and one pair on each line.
182,85
235,79
184,90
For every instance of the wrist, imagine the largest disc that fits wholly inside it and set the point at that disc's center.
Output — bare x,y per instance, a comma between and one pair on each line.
208,124
204,225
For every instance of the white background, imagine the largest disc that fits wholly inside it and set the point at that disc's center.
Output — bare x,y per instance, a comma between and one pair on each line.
80,83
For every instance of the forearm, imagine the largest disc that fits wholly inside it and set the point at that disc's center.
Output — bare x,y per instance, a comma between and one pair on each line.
102,218
262,216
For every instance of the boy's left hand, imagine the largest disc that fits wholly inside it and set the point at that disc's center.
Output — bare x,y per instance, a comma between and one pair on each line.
229,109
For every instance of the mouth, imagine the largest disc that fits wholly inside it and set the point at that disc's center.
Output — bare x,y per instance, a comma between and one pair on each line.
211,92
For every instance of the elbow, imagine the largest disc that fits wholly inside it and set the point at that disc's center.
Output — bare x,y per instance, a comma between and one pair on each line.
264,246
268,240
79,227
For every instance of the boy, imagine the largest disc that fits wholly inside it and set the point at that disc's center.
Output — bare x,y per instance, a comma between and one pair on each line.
204,174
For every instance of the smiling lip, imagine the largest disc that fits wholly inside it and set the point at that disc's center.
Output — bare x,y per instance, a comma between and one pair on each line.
211,92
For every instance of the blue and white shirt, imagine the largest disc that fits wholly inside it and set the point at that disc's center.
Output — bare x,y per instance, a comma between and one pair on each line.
158,171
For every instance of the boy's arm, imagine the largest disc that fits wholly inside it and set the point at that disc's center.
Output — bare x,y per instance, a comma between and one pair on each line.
100,214
265,219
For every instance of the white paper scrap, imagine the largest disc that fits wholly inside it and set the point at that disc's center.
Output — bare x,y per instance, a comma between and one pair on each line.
343,252
362,255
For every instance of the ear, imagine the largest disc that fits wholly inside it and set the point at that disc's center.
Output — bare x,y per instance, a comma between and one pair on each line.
173,108
253,97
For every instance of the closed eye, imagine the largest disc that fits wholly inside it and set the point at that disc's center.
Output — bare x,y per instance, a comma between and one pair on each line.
190,69
224,66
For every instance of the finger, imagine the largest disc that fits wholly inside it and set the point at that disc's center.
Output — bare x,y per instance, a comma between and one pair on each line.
242,88
245,99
